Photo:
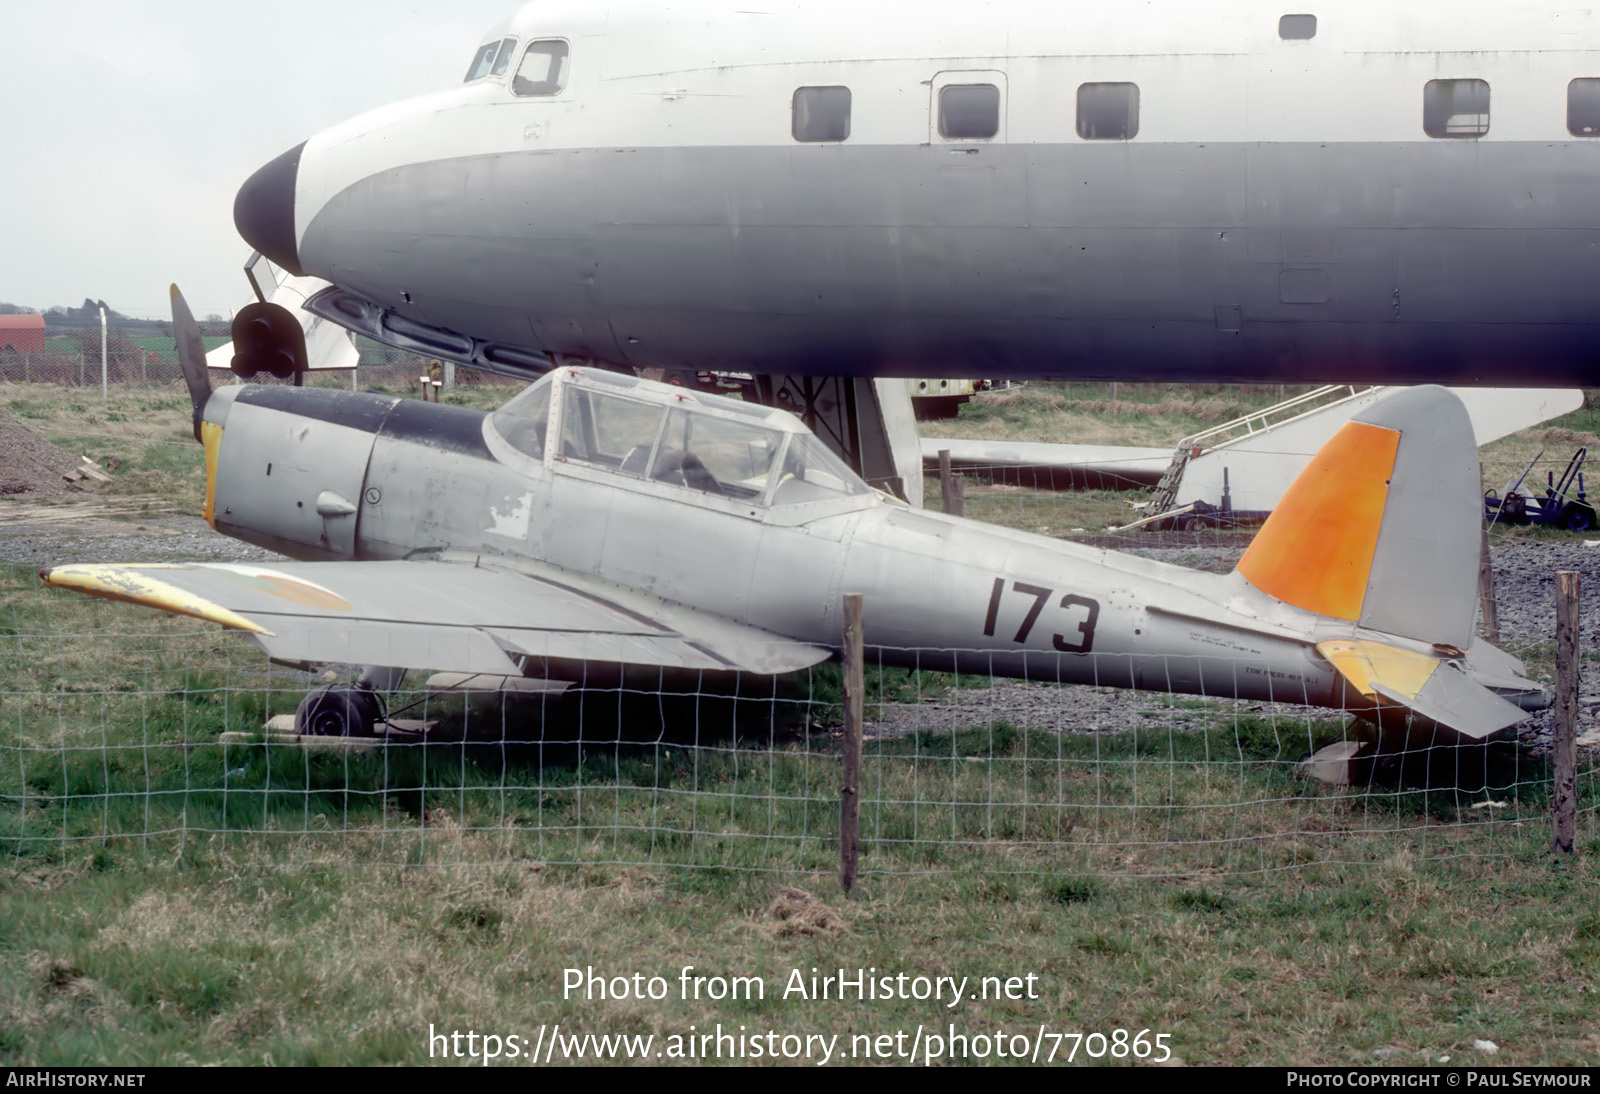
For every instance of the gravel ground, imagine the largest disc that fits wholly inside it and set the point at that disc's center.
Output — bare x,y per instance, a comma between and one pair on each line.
1524,581
44,536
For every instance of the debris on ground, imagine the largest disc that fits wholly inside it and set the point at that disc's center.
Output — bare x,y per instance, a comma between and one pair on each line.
800,913
32,466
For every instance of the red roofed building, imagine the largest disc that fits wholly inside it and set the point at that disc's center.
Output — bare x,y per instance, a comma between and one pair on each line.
25,333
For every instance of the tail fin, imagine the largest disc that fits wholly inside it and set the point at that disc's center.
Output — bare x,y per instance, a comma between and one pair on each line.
1382,527
1382,530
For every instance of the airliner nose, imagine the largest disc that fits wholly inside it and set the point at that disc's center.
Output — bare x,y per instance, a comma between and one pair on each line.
263,211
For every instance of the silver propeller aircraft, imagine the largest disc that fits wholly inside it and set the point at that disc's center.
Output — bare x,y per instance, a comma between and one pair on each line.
602,518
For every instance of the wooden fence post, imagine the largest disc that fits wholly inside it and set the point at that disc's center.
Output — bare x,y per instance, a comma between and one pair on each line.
850,791
1563,743
952,487
1491,611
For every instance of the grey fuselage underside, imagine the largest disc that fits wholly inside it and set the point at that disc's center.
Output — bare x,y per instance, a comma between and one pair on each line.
1462,262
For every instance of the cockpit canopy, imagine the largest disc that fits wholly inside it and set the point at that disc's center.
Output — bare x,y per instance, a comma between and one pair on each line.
541,71
654,432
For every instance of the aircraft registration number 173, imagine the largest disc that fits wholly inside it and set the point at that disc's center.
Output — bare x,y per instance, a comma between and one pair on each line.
1082,642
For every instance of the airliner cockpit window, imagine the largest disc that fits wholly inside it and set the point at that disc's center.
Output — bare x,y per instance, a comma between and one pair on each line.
543,70
502,60
482,61
715,455
969,112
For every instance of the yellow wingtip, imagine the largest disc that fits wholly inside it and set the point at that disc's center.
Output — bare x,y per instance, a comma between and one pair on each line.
132,585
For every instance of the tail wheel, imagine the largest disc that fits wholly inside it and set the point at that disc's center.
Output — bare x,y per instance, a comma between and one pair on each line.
342,710
1578,517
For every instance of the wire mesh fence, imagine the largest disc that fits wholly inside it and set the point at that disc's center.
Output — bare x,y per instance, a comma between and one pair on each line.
120,728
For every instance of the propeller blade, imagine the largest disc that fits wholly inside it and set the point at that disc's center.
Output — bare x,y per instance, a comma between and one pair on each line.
191,355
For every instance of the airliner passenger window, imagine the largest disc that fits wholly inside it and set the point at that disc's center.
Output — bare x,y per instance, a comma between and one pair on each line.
821,114
1455,108
1297,26
543,70
482,61
1108,112
969,112
1583,108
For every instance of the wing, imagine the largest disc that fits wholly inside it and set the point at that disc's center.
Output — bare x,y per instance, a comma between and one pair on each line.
449,613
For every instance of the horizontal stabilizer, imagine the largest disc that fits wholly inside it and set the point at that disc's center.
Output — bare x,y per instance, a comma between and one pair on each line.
1430,687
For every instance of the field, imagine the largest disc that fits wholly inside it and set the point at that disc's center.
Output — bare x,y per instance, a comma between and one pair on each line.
168,898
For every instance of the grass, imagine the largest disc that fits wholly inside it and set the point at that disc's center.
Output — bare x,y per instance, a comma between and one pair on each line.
166,898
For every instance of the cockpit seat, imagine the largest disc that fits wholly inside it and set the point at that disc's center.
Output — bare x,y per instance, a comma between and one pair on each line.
637,460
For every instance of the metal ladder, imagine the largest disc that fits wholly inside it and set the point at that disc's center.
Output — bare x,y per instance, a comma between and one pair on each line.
1165,493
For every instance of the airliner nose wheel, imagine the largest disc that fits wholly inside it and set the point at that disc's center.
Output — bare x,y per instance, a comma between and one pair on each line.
340,710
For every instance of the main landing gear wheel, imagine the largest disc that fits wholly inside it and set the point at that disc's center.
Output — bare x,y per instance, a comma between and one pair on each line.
341,710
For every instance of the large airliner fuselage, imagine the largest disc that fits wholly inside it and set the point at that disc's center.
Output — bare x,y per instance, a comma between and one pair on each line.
1162,191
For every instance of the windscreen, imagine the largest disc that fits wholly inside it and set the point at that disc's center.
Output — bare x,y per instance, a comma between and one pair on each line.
523,421
811,472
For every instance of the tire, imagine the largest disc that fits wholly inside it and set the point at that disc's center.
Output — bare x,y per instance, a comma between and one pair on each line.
343,710
1578,517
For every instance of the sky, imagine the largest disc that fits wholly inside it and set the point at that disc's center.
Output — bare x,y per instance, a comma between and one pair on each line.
128,127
